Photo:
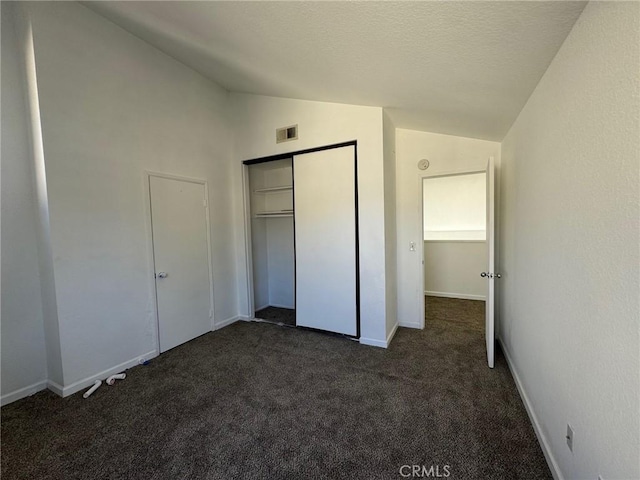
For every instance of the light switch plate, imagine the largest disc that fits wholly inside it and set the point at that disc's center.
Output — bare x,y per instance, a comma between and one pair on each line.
570,437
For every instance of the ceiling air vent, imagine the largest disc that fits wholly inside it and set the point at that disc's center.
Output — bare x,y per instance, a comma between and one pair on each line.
286,134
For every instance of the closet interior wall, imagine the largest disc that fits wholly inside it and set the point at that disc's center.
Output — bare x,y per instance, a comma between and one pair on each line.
272,235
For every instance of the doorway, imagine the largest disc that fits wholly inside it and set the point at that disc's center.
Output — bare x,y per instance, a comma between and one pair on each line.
457,251
181,258
454,236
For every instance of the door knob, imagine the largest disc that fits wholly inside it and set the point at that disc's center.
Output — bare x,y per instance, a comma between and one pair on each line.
490,275
161,275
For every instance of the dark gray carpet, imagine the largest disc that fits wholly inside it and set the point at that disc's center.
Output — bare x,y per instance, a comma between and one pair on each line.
284,316
258,401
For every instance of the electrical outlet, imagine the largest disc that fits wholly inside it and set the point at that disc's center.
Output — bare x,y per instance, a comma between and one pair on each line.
569,437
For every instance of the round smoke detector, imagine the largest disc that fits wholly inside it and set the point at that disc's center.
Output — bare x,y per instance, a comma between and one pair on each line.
423,164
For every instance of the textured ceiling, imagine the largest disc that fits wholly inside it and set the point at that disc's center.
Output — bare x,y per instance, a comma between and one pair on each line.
461,68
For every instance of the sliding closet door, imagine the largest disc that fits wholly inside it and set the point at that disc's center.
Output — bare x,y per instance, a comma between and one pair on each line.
325,240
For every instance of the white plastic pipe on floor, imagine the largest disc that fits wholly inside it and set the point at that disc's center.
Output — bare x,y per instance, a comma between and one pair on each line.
119,376
88,393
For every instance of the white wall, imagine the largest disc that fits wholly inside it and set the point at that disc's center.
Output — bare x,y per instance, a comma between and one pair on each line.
112,107
24,368
281,262
256,119
452,269
43,231
569,257
447,154
455,207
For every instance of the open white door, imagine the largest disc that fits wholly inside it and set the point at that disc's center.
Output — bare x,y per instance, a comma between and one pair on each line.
325,240
489,274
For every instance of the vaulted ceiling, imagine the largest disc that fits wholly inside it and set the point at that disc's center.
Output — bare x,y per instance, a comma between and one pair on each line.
461,68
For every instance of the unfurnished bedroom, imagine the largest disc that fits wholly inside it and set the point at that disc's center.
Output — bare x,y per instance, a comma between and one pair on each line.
332,240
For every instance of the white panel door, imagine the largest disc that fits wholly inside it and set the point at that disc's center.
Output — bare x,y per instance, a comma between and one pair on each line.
180,251
489,274
325,240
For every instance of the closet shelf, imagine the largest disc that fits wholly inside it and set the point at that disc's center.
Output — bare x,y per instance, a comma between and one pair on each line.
282,188
275,214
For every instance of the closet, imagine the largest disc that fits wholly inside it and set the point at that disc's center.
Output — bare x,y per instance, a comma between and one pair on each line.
304,239
272,239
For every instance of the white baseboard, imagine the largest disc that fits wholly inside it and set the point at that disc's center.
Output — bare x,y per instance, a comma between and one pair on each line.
464,296
380,343
277,305
27,391
373,342
55,387
410,325
546,450
392,334
86,382
224,323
